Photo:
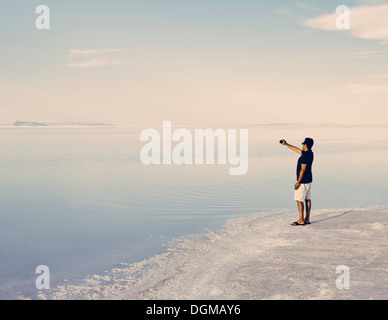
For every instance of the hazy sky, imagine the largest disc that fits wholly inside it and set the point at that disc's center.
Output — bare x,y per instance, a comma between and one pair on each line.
194,62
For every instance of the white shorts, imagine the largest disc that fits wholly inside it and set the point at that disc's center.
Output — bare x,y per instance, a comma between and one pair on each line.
303,192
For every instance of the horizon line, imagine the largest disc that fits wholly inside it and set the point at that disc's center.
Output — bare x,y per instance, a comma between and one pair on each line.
18,123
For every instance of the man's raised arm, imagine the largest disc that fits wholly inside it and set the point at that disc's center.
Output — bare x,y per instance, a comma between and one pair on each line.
293,148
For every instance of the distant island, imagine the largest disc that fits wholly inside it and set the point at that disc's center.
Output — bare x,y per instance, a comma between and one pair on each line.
27,123
56,124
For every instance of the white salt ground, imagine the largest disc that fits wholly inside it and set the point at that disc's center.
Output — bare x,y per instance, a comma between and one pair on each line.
257,258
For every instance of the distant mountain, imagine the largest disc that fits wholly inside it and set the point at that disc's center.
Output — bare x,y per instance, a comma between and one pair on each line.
58,124
28,123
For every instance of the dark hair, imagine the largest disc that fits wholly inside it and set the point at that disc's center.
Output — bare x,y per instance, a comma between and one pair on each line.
309,142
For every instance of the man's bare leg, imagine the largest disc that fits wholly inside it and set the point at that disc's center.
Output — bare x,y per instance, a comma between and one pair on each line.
301,209
308,209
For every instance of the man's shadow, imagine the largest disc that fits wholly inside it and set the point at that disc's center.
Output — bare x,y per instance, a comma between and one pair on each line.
329,218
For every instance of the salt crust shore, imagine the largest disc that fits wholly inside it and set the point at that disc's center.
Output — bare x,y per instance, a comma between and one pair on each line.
257,258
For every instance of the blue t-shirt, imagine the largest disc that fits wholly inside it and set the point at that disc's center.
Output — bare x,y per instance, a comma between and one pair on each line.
306,158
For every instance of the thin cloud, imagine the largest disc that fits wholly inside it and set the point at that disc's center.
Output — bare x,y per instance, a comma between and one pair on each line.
306,6
93,58
285,11
295,10
366,22
75,52
94,62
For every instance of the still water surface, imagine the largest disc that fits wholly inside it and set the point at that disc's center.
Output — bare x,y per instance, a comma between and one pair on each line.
80,201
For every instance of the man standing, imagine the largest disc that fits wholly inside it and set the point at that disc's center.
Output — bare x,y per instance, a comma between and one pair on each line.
304,178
